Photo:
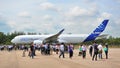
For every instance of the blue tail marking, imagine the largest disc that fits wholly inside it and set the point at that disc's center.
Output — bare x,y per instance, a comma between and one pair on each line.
97,31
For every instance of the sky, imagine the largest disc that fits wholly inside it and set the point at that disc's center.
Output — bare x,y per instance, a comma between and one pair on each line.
51,16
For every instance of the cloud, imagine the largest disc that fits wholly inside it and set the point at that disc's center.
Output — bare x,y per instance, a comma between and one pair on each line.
117,21
106,15
48,6
47,17
80,16
77,18
12,24
76,11
103,16
79,12
24,14
32,24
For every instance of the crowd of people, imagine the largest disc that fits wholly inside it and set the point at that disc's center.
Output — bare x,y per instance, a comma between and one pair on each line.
48,49
95,50
6,47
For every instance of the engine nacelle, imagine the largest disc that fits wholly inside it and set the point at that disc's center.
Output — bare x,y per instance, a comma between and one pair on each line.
37,42
61,41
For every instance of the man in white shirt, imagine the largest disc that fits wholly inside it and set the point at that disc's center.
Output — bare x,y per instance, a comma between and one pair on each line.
84,51
62,50
100,51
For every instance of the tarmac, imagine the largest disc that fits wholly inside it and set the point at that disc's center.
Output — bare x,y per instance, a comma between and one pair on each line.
14,59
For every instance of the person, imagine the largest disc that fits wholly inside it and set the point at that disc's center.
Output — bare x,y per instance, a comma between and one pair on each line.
70,51
42,49
15,47
80,50
95,51
35,48
32,50
54,47
100,51
106,50
57,48
51,49
72,46
24,50
39,47
90,50
62,48
45,46
48,49
65,48
84,51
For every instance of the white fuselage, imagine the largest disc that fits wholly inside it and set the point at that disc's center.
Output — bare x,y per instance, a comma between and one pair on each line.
59,37
67,38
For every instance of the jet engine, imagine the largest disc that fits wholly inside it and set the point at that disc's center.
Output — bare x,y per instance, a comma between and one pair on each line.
37,42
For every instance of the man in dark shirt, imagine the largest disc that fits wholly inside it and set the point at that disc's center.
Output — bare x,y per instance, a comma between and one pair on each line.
32,51
95,46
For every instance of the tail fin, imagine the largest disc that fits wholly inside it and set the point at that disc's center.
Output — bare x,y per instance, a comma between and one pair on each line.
97,31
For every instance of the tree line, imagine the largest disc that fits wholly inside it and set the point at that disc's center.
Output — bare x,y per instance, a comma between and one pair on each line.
6,38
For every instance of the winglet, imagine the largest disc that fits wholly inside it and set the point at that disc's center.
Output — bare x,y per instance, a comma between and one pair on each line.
61,31
97,31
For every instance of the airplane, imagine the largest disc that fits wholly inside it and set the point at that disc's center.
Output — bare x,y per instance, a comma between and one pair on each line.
61,38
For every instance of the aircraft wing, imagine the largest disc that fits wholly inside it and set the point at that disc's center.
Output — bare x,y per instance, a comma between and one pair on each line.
53,38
